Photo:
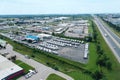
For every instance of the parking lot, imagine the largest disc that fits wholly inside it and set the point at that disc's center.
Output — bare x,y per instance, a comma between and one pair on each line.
75,54
67,48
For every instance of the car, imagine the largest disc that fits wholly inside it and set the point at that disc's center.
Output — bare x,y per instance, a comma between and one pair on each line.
75,46
27,57
29,74
32,71
26,76
106,35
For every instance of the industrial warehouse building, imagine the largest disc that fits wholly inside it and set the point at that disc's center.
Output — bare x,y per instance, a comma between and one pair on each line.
9,70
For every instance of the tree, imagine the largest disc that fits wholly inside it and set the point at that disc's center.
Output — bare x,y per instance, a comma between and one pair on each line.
102,60
95,36
89,38
33,56
109,65
48,63
98,48
56,68
17,33
100,52
53,33
97,75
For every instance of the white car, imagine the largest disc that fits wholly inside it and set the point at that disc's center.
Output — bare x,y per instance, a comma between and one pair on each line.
26,76
106,35
114,47
29,74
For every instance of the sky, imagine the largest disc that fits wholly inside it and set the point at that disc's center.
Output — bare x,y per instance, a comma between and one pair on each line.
8,7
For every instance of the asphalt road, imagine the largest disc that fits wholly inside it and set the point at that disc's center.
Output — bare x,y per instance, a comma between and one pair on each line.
43,71
111,38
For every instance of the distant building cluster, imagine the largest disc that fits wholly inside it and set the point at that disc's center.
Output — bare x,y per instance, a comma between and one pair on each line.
112,18
78,29
41,32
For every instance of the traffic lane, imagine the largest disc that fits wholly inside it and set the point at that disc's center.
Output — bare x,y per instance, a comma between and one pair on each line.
102,26
110,41
113,45
102,30
112,37
113,34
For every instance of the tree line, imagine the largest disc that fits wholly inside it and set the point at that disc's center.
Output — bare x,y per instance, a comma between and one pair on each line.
102,59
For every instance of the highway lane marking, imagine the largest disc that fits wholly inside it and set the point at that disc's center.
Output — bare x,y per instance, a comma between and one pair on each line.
118,58
115,41
112,33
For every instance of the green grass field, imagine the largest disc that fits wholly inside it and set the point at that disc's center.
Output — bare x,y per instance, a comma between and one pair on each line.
54,77
78,75
91,65
23,65
90,30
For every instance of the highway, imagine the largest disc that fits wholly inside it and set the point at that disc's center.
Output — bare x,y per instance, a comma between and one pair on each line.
111,38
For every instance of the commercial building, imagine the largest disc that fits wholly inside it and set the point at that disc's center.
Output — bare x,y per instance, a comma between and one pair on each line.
78,29
44,36
32,38
9,70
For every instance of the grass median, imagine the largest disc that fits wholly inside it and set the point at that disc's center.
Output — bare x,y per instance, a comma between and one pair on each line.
54,77
113,74
23,65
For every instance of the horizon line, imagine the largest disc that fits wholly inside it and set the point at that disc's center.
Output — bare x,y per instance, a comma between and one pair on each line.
64,13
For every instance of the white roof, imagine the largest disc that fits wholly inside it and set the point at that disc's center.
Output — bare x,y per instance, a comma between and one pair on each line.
44,35
86,50
7,67
59,29
86,46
